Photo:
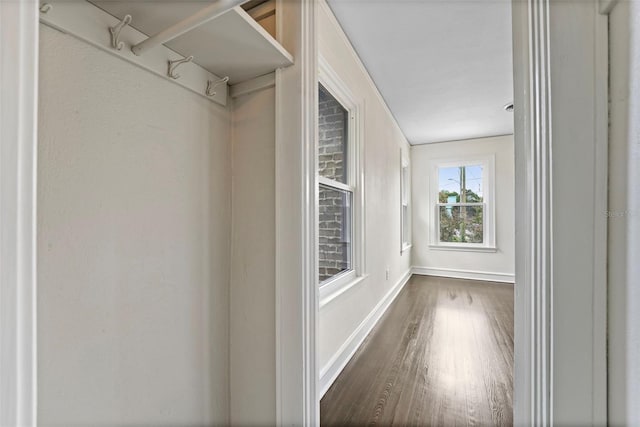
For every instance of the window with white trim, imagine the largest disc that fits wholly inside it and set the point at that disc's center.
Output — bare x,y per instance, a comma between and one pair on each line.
339,177
405,209
336,188
462,198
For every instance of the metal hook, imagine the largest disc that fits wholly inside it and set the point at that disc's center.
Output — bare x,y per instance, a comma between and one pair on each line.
115,32
46,7
211,85
175,64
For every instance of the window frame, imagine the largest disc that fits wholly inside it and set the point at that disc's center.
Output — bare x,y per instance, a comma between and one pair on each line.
339,283
488,184
405,202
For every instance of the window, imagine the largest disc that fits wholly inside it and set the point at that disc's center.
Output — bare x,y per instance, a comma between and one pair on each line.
339,193
335,192
462,197
405,210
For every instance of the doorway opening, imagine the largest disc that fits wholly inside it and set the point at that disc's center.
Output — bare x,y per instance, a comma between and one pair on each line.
415,213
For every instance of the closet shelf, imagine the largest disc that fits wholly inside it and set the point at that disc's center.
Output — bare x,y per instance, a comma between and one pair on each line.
232,44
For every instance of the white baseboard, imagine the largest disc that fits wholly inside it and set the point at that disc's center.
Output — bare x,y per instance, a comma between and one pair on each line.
336,364
465,274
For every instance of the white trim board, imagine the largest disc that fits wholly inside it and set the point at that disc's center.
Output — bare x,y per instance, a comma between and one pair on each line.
18,169
297,402
339,360
254,85
91,24
560,301
334,289
465,274
532,138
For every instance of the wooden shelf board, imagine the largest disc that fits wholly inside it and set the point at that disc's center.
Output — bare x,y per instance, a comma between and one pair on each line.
233,44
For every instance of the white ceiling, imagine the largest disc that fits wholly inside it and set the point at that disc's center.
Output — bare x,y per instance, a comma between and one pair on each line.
444,67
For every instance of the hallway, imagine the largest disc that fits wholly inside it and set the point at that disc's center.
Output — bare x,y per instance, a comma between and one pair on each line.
441,355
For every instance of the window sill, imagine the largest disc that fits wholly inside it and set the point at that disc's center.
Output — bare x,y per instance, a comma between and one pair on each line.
463,248
328,293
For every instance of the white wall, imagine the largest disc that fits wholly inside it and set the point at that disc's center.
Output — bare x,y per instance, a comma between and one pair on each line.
499,265
253,318
624,219
382,141
133,242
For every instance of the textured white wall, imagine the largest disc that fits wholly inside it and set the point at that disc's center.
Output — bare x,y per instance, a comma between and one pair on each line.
253,318
502,261
133,241
382,142
624,219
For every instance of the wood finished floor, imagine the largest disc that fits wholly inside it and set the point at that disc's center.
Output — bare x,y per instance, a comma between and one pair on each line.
441,355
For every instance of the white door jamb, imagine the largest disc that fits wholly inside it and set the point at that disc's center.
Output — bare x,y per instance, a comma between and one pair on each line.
18,152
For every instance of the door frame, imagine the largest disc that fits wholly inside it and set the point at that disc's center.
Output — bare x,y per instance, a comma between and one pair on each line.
534,375
18,153
533,233
296,302
541,38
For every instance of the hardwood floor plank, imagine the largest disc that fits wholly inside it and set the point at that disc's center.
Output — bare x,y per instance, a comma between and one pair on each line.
441,355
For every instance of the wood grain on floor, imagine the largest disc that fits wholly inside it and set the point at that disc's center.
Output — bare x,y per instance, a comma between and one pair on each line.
441,355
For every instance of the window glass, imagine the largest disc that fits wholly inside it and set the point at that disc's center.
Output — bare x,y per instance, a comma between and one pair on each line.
452,181
461,224
333,121
460,204
334,232
405,224
404,182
